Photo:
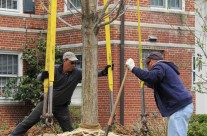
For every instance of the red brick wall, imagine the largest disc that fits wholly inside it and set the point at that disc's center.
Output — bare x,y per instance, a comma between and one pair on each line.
12,115
181,56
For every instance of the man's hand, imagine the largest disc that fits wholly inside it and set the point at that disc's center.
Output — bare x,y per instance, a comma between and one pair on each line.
130,64
105,71
44,75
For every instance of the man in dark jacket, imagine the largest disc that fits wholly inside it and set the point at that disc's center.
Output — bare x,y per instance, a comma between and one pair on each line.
172,98
66,78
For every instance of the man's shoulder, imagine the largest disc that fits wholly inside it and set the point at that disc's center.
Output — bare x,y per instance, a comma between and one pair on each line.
79,70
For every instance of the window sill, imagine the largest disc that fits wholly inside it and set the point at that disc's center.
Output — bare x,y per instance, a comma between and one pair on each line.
167,10
10,102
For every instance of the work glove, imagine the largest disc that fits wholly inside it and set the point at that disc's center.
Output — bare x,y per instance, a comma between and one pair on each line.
44,75
105,71
130,64
41,97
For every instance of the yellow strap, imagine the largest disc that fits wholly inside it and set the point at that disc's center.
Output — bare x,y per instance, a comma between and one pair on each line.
50,47
140,42
108,51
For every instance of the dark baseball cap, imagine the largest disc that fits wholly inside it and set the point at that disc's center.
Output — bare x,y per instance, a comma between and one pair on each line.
153,56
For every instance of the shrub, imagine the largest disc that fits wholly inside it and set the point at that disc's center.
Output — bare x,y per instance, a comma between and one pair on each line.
155,126
198,125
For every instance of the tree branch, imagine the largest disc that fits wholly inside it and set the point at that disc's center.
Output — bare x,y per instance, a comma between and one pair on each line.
110,12
62,20
75,8
67,5
105,7
69,25
115,17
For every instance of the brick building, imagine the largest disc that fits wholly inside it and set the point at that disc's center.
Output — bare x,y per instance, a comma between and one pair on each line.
165,27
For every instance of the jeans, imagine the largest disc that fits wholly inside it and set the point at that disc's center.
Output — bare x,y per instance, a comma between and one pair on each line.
61,113
178,121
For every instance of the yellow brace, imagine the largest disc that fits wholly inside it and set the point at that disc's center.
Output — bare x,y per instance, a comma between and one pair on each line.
109,57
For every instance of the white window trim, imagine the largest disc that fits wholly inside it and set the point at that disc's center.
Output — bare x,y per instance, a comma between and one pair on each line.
9,100
193,70
19,8
167,9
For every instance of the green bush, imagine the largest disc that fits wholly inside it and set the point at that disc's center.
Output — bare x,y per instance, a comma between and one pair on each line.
198,125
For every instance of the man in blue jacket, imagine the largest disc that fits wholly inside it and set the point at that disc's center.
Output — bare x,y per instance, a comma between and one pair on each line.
172,98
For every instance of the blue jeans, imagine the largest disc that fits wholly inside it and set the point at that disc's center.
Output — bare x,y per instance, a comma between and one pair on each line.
61,113
178,121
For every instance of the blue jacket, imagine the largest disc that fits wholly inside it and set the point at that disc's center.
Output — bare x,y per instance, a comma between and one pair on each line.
169,92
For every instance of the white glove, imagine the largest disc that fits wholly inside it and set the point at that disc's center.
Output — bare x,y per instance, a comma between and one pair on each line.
130,64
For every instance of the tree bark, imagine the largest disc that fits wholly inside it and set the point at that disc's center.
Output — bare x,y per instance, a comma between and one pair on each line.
90,62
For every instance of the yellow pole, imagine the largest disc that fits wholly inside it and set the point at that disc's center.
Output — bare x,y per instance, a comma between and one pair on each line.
109,58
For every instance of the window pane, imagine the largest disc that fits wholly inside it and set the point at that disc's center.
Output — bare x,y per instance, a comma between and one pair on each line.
79,62
8,4
76,3
157,3
3,82
14,4
3,3
4,67
8,64
175,4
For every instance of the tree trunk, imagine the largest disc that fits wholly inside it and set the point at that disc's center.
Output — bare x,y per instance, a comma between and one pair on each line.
90,62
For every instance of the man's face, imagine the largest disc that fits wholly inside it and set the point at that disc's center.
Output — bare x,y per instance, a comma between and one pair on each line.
150,64
68,65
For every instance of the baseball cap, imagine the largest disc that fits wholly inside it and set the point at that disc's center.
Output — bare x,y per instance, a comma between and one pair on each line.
70,56
153,56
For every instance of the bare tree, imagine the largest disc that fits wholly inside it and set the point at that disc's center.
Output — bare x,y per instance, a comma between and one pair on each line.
92,19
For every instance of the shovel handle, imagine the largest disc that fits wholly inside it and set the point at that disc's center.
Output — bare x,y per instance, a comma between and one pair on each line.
115,105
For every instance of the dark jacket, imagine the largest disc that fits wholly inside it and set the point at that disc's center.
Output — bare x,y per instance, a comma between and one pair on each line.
169,92
64,84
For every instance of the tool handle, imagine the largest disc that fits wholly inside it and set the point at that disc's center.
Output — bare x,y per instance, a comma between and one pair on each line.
107,130
116,103
119,94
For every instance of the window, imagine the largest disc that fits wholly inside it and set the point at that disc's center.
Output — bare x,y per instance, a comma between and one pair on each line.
168,4
145,52
174,4
157,3
10,5
76,3
10,67
79,62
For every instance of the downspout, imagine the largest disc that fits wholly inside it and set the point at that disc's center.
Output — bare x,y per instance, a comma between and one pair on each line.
122,65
